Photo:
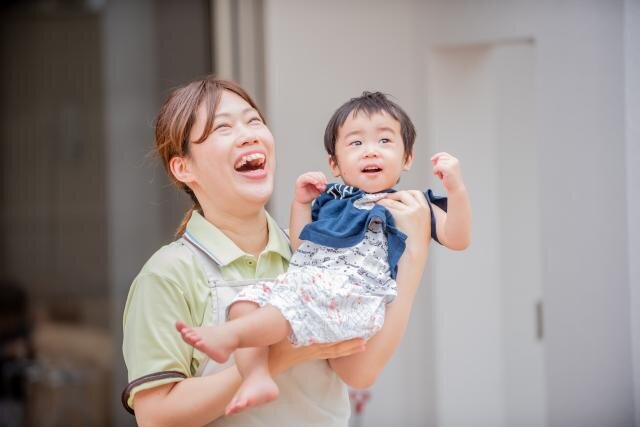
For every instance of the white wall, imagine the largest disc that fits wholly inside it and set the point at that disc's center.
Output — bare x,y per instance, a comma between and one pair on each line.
489,360
579,121
632,137
320,53
468,315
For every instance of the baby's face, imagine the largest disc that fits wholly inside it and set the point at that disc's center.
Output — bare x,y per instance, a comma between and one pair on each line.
370,152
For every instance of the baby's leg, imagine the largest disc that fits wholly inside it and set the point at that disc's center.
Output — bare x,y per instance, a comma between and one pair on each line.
258,387
253,363
253,328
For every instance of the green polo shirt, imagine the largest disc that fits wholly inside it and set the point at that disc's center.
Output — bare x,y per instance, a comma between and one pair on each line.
173,286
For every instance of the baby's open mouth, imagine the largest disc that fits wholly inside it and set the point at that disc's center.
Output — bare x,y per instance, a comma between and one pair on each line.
250,162
371,169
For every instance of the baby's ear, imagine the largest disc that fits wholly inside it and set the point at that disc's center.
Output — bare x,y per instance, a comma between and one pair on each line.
333,164
408,162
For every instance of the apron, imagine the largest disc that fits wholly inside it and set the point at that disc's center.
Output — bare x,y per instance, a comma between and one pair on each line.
311,394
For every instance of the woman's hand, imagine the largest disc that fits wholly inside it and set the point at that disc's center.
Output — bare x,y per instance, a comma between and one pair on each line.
411,212
283,355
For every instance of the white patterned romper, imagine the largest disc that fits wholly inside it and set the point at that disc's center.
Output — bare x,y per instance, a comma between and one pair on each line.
333,294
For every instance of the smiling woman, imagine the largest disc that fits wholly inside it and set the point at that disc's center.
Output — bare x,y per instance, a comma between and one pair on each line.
214,144
215,164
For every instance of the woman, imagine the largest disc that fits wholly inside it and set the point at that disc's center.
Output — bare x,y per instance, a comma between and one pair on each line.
215,145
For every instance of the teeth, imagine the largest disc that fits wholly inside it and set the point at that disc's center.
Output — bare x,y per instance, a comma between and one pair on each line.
246,159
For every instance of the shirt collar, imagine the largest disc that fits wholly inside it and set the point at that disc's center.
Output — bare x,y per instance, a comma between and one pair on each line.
343,191
222,249
278,240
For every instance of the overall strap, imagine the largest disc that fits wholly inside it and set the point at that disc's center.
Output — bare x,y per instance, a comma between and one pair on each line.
208,261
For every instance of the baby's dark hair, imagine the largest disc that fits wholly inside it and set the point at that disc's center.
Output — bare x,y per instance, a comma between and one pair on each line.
369,103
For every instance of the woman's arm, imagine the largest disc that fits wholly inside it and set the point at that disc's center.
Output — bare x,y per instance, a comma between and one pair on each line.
191,402
199,400
411,213
308,186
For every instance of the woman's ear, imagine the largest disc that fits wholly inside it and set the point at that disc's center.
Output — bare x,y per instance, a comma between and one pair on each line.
180,169
333,165
408,162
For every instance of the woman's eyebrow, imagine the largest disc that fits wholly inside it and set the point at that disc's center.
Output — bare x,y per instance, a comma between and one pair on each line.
228,115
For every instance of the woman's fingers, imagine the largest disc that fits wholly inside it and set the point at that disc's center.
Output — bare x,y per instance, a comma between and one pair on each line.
392,205
410,211
283,355
419,197
408,198
344,348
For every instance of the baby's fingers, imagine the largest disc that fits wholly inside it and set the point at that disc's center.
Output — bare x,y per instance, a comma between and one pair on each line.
438,156
318,179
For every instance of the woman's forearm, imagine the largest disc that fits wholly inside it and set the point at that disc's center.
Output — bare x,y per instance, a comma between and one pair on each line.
192,402
360,370
200,400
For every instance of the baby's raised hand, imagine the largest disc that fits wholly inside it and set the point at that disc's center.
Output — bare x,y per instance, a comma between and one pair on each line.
309,185
447,169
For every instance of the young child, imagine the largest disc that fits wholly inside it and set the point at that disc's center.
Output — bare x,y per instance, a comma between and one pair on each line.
347,247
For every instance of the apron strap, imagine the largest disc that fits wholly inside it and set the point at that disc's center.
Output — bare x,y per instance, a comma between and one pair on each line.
209,262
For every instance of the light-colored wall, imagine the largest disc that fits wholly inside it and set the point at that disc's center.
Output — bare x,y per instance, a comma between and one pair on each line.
320,53
579,121
632,138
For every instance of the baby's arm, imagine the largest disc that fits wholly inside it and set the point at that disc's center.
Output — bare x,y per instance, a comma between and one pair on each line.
454,226
308,186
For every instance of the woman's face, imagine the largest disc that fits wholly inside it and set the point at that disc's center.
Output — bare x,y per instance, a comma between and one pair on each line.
234,166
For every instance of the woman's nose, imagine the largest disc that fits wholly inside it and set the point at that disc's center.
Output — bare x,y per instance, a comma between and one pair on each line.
247,137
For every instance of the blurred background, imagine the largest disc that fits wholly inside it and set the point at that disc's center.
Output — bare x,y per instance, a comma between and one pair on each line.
536,324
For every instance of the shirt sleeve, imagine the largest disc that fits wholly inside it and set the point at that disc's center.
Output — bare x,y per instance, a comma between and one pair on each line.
440,202
153,350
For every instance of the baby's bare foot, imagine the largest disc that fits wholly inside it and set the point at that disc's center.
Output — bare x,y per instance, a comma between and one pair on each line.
210,340
256,389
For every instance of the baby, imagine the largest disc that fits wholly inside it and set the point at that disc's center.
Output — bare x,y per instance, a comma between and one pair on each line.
343,272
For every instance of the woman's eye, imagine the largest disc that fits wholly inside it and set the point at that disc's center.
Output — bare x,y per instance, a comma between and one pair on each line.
221,126
353,143
384,140
255,120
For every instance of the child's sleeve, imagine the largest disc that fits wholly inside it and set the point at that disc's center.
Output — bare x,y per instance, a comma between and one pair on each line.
440,202
323,198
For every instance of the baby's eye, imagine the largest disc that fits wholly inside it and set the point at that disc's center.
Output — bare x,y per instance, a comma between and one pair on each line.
384,140
354,143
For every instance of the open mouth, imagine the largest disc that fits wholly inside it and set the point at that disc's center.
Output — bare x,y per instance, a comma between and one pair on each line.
250,162
372,169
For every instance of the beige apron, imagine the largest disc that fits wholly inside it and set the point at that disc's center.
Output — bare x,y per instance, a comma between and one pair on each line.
311,394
